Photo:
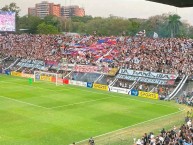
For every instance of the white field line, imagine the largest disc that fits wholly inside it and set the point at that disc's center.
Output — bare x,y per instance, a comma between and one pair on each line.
79,103
130,126
157,104
26,103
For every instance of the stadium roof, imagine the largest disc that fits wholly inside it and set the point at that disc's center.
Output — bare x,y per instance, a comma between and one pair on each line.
176,3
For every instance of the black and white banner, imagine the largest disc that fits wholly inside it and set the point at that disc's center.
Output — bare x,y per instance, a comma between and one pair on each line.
145,80
148,74
32,64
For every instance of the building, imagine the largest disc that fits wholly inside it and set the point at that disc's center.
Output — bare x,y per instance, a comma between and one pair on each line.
55,9
42,9
32,11
45,8
70,11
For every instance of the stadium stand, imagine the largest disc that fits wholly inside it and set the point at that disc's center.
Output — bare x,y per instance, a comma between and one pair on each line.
152,68
162,66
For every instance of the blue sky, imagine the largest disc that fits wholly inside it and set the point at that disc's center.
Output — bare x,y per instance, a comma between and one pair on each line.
122,8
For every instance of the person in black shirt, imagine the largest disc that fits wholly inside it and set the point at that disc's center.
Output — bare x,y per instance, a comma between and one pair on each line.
91,141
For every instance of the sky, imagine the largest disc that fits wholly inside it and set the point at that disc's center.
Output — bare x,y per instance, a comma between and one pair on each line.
121,8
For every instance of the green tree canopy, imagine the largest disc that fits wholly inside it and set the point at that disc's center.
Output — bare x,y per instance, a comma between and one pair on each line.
44,28
174,24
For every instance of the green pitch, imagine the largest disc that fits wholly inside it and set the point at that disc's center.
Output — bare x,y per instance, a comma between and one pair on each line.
45,114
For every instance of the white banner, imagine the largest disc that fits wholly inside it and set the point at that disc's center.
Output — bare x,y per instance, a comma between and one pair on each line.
32,64
146,80
119,90
78,83
148,74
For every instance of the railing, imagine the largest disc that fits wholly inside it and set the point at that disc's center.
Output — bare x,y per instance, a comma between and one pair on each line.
68,74
179,88
112,84
170,95
154,88
12,64
99,78
18,68
4,59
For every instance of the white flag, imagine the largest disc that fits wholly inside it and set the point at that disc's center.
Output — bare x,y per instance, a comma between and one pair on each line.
155,35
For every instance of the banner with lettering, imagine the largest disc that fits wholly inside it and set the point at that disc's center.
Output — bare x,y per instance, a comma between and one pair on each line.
17,74
78,83
148,95
65,67
95,69
146,80
85,68
45,78
148,74
100,87
24,75
119,90
38,64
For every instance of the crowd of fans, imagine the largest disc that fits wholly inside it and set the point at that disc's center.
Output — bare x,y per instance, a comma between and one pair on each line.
177,136
168,55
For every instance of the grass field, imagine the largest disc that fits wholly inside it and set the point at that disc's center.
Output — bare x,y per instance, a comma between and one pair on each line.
45,114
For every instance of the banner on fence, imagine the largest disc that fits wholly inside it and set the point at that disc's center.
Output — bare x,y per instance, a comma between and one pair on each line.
51,63
78,83
65,81
24,75
65,67
17,74
95,69
148,74
113,71
148,95
85,68
89,85
100,87
119,90
7,72
145,80
32,64
45,78
134,92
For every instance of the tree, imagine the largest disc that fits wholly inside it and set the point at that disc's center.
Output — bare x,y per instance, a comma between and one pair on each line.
44,28
174,24
14,8
53,20
30,23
